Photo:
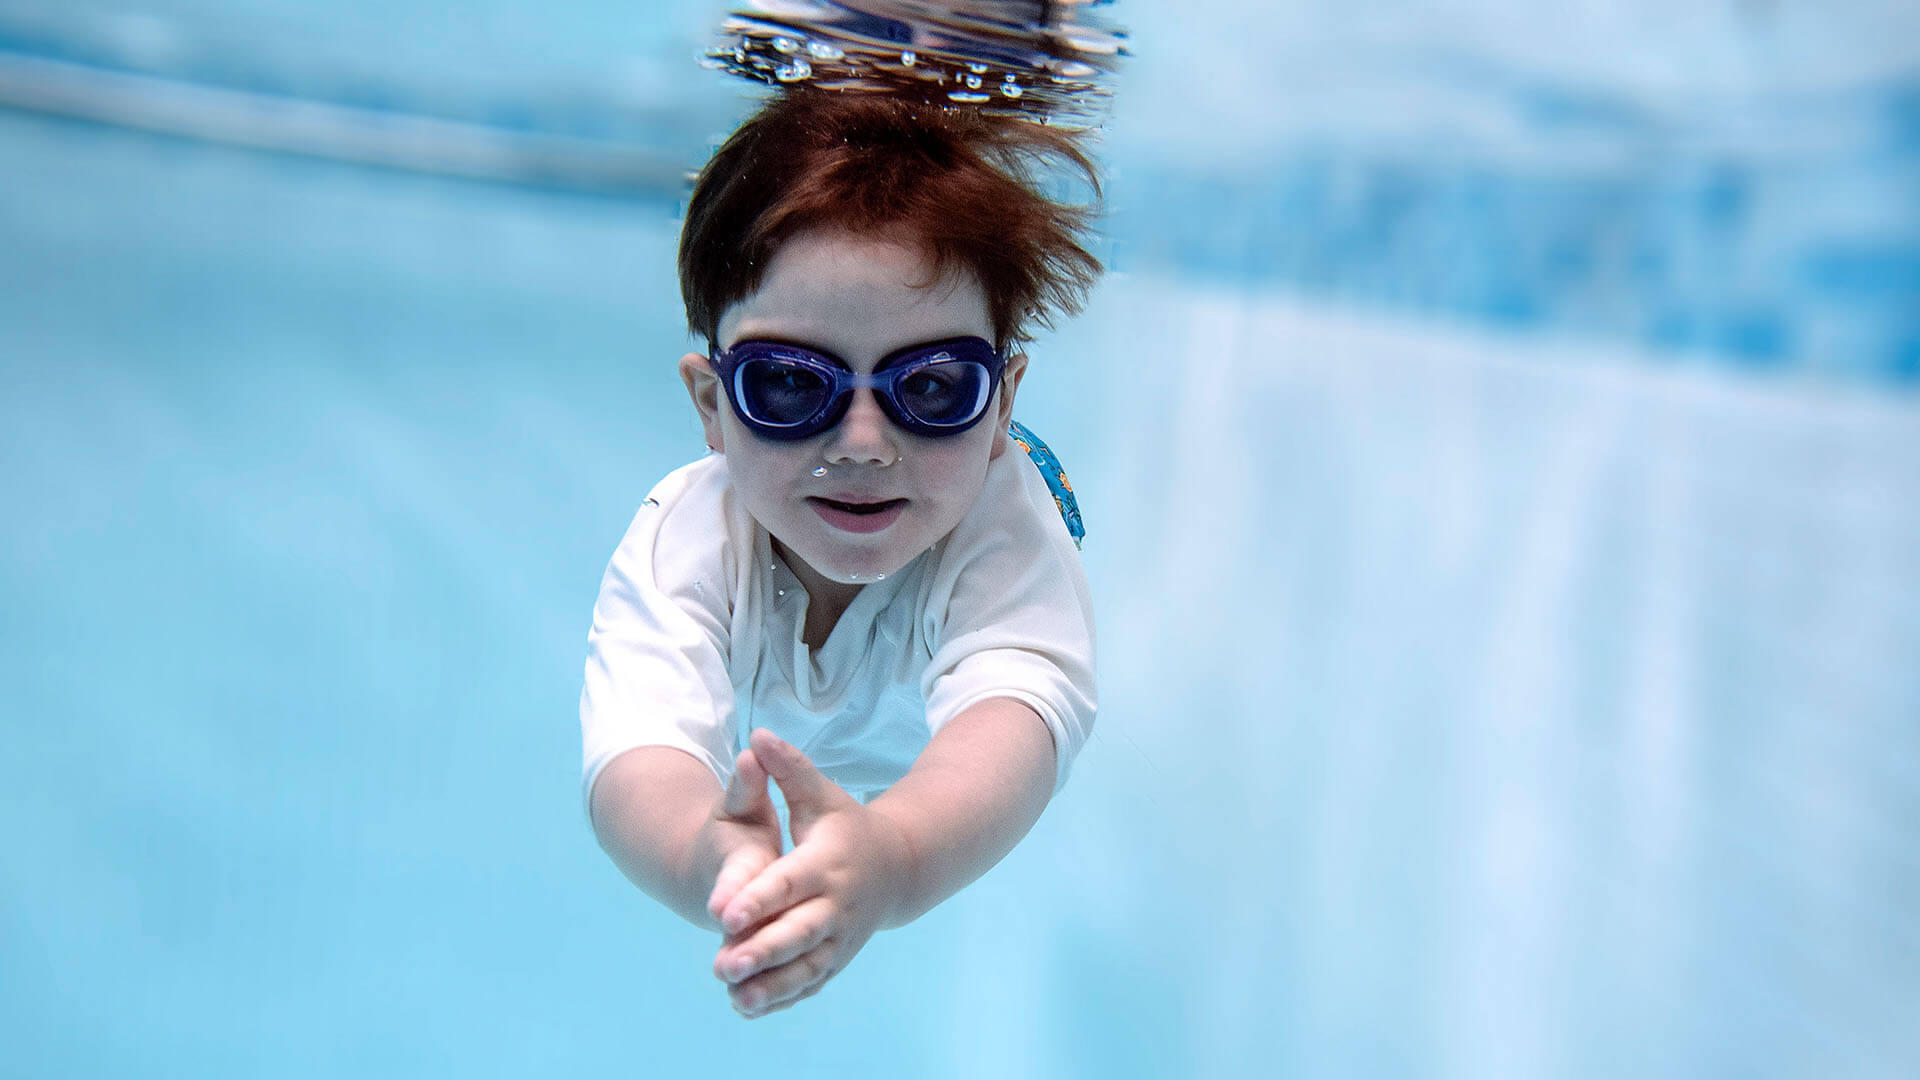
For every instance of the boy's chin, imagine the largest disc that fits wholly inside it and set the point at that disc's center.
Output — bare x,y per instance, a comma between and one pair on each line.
864,574
864,569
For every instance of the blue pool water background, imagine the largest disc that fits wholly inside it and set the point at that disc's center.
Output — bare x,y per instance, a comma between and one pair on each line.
1503,536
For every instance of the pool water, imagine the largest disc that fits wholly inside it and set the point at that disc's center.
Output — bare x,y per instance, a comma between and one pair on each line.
1487,691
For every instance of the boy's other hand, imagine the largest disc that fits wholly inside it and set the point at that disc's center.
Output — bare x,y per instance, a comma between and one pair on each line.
802,919
744,831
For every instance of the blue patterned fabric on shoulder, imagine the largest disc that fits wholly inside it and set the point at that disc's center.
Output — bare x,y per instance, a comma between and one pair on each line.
1055,476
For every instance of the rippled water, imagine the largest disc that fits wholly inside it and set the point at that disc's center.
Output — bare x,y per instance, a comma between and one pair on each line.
1015,56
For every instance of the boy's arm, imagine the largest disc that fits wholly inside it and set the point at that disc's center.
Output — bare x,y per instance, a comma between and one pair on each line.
975,790
664,820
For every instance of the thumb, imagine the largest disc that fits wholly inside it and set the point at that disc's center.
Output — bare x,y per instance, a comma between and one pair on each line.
747,790
807,790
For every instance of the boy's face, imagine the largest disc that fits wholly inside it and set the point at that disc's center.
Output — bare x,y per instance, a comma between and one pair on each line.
859,299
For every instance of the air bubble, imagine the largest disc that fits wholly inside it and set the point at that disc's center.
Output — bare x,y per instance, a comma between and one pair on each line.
1088,40
785,45
977,69
908,58
821,471
1011,89
793,72
822,50
795,9
968,97
972,81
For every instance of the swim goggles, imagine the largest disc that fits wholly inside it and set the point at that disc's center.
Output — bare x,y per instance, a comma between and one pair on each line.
788,392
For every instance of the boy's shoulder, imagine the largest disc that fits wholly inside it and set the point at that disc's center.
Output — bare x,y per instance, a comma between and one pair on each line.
1017,505
691,527
1012,550
701,480
696,503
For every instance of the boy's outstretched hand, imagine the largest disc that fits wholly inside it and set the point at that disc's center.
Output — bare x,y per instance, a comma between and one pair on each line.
800,918
744,831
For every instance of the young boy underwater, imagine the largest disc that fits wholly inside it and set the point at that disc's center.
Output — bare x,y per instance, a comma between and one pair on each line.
870,593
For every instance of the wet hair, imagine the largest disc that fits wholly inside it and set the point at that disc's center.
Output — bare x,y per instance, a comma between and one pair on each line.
969,188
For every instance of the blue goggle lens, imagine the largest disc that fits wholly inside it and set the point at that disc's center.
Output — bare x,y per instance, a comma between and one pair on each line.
777,391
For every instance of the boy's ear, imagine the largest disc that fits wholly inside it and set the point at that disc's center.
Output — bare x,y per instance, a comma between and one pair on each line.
1016,370
703,386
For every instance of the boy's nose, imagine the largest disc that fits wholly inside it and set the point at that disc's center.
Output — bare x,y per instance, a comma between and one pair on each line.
864,436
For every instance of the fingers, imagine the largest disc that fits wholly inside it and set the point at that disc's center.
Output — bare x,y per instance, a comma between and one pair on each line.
793,958
799,930
736,871
784,1004
786,986
781,884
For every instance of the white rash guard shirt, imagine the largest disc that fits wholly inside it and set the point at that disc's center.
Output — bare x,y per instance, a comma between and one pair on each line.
696,636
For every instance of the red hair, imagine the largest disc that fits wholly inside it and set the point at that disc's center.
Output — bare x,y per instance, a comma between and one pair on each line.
966,186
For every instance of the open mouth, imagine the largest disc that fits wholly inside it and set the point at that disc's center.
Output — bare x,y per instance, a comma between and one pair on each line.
857,517
862,507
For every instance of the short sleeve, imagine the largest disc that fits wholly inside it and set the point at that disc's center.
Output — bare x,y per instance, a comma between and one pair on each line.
1009,614
656,671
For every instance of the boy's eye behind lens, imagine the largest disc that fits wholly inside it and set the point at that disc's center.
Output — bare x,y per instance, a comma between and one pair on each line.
942,392
784,393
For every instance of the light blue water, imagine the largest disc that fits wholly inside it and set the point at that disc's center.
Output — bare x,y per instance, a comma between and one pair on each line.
1482,696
